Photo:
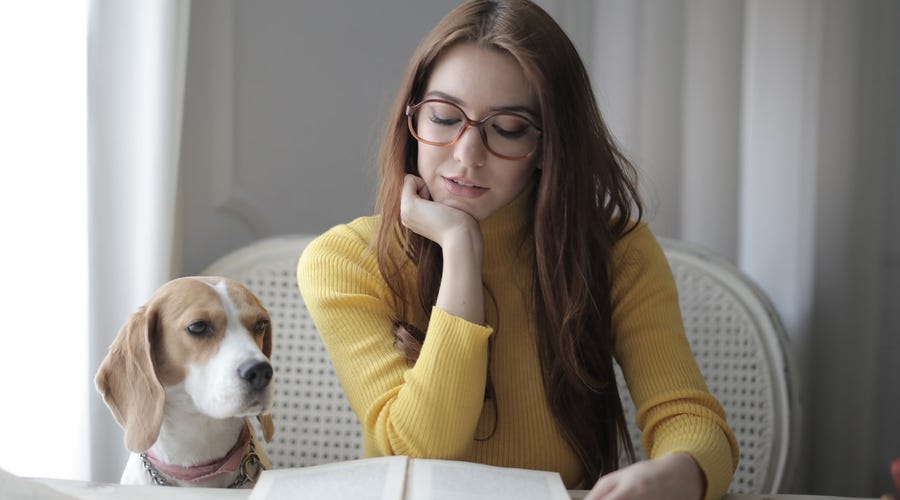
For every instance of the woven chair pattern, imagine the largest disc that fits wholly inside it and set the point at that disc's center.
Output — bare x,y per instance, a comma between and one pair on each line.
741,349
314,423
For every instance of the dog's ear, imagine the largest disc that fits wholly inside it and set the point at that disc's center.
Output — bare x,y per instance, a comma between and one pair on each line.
268,427
127,380
265,421
267,337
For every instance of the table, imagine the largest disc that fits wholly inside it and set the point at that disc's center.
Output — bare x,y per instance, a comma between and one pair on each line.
86,490
15,487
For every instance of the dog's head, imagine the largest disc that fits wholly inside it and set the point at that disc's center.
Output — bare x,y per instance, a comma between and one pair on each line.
210,334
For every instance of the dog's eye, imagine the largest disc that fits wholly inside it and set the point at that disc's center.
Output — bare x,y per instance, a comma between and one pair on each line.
261,326
199,328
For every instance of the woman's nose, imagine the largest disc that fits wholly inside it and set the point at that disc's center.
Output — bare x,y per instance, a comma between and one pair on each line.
470,150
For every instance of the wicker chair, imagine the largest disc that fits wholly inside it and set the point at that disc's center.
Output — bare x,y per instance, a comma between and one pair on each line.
733,330
743,353
314,423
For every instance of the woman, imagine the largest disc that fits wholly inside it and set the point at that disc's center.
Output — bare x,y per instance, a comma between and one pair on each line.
477,314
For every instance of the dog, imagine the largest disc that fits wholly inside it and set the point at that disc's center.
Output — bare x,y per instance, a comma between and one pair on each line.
183,375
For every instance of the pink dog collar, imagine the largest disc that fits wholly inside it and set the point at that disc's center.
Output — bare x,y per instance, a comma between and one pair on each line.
207,470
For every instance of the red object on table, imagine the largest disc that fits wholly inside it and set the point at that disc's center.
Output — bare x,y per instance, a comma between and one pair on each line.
895,473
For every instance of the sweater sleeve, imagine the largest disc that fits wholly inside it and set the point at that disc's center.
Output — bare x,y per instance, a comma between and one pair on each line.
675,410
430,410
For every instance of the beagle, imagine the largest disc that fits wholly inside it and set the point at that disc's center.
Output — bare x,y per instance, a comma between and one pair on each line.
181,377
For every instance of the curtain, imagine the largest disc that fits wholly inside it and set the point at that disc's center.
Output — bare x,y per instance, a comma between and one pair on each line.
136,68
767,132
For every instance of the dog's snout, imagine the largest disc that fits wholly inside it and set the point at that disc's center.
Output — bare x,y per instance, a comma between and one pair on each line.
257,373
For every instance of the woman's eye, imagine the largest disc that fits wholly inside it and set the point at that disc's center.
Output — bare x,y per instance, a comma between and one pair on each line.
261,326
199,328
449,121
509,126
510,134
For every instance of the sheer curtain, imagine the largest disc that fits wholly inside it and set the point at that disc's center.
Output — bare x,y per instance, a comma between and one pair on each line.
767,132
136,66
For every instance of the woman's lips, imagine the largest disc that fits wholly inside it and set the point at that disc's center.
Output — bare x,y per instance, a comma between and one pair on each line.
462,188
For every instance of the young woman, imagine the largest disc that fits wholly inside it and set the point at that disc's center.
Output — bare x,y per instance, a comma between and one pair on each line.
476,316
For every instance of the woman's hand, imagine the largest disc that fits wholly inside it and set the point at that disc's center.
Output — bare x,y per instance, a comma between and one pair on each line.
674,476
439,223
459,237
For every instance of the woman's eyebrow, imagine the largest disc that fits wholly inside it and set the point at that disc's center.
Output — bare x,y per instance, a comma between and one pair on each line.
517,109
459,102
444,96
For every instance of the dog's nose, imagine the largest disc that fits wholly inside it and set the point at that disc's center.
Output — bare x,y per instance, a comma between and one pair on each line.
257,373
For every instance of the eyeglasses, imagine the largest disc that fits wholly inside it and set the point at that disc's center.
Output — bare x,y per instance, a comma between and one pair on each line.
505,134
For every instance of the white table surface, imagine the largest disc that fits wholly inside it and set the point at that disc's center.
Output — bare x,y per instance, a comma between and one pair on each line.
85,490
13,487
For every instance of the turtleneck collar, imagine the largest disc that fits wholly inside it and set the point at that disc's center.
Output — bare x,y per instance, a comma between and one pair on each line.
507,233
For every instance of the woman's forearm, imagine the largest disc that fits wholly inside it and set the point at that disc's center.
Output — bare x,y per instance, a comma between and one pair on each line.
461,292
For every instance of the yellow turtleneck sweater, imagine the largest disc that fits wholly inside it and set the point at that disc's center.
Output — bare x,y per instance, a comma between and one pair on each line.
436,409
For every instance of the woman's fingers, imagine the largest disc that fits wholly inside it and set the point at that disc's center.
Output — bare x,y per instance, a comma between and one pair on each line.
430,219
674,476
423,190
409,195
413,185
603,488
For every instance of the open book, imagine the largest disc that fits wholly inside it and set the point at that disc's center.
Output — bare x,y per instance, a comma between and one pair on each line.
13,486
404,478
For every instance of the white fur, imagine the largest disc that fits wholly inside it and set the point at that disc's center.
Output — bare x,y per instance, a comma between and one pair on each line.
215,387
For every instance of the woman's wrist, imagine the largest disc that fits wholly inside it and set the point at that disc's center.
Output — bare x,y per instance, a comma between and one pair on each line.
689,470
461,291
463,245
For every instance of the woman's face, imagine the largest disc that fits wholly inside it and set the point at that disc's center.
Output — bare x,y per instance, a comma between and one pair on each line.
465,175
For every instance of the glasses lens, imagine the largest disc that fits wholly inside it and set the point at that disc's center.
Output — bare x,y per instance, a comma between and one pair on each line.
438,122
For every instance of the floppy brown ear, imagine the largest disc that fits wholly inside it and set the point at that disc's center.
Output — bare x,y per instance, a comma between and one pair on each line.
267,338
127,380
268,427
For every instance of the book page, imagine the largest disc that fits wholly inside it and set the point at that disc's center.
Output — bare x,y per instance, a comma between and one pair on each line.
451,480
367,479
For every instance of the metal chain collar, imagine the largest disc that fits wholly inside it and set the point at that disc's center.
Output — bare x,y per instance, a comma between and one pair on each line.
251,462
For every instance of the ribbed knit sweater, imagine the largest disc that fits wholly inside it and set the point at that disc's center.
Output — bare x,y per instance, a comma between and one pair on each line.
437,409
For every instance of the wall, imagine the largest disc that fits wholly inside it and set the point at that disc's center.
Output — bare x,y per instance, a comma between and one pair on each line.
766,131
283,105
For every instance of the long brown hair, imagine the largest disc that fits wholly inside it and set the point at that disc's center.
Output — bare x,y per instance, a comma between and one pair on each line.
586,201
